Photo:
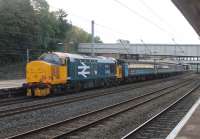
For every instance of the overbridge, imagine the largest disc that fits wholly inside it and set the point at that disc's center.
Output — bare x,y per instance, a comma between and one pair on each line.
183,53
191,11
189,51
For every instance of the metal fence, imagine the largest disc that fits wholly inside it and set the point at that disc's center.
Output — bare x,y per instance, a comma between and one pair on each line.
13,63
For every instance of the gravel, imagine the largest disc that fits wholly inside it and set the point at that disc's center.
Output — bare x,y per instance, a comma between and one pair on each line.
35,119
121,125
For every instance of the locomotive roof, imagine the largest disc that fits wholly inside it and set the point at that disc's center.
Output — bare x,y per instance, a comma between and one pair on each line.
72,57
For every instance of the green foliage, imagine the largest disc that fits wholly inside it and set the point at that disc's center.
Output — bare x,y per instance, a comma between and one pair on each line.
40,5
77,35
18,27
53,26
29,24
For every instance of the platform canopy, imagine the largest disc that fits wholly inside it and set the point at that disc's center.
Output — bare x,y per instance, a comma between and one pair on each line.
191,11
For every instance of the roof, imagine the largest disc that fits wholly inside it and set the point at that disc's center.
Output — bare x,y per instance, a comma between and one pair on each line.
191,11
72,57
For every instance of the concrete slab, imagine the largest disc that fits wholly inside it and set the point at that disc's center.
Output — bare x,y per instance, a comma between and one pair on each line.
189,126
6,84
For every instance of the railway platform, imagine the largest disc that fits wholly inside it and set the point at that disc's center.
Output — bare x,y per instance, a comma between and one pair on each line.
8,84
189,126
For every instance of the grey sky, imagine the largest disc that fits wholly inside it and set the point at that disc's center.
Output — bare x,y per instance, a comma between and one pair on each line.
159,21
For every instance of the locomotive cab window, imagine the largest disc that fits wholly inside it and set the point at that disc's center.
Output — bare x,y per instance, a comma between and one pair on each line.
51,58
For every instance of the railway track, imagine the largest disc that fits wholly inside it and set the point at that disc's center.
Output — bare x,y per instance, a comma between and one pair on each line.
5,93
160,125
22,99
34,107
77,124
17,100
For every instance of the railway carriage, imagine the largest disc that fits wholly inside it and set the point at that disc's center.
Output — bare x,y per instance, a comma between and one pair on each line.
147,70
165,68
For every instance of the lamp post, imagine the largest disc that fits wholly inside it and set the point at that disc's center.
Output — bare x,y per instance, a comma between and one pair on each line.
93,41
174,46
145,48
125,44
154,59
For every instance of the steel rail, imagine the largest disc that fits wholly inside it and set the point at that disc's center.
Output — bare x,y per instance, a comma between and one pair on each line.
97,111
160,113
19,110
18,100
11,101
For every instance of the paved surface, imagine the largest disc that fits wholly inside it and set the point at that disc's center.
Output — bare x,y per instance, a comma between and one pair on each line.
189,127
5,84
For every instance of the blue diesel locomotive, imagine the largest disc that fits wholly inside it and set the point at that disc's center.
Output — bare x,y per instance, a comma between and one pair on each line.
56,72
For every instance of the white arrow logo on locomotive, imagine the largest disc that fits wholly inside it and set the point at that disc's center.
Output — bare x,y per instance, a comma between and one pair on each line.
83,71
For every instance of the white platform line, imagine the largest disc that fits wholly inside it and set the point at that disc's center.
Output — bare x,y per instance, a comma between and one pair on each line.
180,125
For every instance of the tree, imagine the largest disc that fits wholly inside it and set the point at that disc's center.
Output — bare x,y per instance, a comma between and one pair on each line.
40,5
18,28
77,35
53,25
29,24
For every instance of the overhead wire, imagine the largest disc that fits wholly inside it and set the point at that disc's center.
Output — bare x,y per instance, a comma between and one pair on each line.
143,17
157,15
96,23
108,28
154,13
105,26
